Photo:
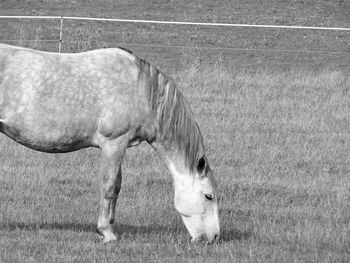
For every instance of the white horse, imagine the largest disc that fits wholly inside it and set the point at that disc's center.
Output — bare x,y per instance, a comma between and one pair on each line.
110,99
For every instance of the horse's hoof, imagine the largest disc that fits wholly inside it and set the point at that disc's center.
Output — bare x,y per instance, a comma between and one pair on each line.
109,238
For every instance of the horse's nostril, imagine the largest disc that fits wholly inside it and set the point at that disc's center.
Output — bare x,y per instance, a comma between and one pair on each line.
216,237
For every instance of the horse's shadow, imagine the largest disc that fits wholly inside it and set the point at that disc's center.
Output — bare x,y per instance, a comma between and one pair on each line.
77,227
119,229
235,234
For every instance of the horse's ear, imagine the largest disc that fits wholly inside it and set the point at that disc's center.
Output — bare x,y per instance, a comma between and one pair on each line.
201,165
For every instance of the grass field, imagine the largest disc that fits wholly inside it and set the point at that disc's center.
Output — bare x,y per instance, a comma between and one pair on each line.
278,143
276,126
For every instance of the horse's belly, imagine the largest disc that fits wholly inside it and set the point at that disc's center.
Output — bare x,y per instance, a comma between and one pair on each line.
48,134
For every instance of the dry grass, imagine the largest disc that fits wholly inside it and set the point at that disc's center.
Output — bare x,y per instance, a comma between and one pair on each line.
279,143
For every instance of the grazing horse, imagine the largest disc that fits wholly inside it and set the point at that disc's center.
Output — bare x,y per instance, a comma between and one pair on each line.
112,100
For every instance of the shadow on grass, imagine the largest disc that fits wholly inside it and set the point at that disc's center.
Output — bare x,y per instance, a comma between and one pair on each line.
235,234
76,227
119,229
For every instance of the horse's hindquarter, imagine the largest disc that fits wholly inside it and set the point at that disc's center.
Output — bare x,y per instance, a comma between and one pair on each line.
57,102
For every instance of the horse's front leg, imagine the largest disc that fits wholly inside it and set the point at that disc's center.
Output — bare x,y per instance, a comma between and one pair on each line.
115,196
112,154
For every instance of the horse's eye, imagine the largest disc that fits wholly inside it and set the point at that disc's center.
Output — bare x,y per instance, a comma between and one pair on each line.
201,165
209,197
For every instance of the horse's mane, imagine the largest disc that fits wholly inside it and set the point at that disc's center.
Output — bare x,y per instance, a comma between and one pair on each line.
177,126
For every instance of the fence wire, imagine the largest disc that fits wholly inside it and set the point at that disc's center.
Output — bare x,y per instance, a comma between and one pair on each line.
178,22
60,41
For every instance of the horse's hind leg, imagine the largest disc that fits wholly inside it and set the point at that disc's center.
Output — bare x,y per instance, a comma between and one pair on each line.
112,154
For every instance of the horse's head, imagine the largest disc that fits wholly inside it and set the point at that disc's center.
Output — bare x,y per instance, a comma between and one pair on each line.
196,200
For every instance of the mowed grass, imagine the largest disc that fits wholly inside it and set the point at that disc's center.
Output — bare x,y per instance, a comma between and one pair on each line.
279,144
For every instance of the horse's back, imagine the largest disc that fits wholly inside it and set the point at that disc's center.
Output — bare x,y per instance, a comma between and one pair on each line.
53,102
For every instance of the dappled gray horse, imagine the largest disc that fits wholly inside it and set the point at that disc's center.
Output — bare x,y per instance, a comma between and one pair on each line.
110,99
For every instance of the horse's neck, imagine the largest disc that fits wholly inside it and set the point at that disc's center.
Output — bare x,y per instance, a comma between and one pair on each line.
170,154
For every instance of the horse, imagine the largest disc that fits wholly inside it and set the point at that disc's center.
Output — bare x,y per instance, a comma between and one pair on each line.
112,100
